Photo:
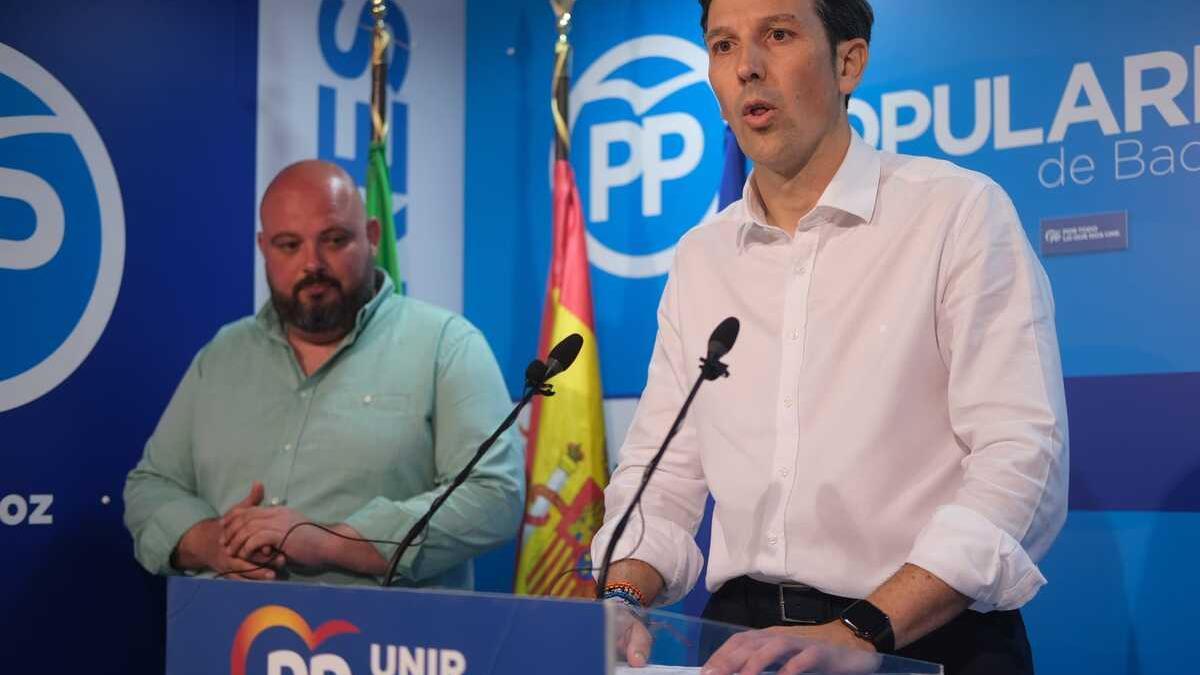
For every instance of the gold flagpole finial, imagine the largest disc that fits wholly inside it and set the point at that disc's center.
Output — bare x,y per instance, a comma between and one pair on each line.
379,49
562,10
562,59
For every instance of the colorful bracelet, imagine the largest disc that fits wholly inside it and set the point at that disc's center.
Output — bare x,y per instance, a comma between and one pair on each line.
629,591
623,598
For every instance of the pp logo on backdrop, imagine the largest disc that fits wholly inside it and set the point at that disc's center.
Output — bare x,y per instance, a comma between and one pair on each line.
646,138
62,231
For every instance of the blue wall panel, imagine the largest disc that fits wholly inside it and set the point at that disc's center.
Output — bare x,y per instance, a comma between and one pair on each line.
1121,584
170,88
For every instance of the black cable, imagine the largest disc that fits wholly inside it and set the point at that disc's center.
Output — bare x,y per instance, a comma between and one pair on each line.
418,532
276,551
593,570
711,368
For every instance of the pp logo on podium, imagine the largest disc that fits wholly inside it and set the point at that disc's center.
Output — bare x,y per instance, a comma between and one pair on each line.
62,231
647,144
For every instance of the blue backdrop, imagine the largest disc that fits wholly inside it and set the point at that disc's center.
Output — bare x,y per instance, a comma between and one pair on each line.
171,93
170,90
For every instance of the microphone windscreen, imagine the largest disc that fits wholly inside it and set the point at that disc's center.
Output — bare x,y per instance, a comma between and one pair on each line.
563,354
723,337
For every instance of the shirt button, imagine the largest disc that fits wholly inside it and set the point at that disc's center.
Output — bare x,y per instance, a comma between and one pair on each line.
783,472
304,394
795,334
287,448
800,268
787,402
772,540
368,399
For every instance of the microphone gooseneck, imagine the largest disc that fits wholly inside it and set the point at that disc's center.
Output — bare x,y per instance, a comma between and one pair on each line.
536,375
711,368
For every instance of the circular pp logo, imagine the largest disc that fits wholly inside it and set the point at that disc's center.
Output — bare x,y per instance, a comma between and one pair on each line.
62,231
648,151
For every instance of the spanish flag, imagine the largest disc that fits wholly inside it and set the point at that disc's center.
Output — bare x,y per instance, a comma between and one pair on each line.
566,465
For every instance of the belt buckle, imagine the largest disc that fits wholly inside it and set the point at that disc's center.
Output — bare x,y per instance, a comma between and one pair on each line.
783,615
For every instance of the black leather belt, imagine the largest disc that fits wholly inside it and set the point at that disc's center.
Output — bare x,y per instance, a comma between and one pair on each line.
799,604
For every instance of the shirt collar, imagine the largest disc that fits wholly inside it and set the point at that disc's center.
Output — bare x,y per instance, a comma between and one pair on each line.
268,319
853,190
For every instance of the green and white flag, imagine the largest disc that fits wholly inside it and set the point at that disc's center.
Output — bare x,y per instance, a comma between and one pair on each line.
379,207
379,186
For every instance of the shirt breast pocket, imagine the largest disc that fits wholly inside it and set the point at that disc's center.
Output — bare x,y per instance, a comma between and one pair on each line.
375,432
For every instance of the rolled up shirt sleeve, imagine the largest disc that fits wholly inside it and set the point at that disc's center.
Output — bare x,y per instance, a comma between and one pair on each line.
161,503
485,511
997,338
663,533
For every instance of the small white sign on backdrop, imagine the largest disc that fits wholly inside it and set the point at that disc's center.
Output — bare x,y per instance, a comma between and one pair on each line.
314,90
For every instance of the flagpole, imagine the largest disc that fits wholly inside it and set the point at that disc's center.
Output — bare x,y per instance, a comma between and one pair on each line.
559,105
379,48
379,188
566,466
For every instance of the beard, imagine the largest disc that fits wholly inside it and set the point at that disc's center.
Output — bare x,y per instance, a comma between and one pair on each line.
335,312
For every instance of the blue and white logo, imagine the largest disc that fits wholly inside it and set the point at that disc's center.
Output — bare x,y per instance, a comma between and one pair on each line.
646,137
62,231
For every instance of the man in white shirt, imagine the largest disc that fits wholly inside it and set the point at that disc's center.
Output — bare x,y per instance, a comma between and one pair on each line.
888,457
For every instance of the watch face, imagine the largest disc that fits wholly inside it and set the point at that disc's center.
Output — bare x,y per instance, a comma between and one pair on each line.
864,619
868,622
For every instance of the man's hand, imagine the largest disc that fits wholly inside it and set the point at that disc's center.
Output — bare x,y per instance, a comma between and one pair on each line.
633,639
260,530
829,648
200,548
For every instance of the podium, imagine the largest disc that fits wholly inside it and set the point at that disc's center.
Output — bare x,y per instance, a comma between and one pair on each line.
282,628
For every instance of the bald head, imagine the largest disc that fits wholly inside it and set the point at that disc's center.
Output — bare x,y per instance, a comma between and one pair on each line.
318,248
314,185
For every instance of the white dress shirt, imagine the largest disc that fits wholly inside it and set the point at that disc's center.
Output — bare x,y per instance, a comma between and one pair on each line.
895,394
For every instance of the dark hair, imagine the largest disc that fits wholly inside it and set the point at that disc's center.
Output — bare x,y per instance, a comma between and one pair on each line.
843,20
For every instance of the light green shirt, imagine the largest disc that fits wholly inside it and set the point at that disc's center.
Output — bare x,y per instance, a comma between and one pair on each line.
369,439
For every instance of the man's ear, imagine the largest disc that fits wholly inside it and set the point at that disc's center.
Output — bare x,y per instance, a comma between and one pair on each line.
262,243
852,64
373,232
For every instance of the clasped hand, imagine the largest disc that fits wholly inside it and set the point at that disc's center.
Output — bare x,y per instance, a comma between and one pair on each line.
265,534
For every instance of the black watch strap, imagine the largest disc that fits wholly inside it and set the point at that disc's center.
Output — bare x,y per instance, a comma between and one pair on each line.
869,623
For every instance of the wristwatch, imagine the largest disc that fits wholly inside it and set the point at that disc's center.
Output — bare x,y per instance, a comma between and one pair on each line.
869,623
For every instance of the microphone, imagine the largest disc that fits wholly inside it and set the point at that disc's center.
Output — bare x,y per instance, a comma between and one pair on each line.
719,344
536,373
563,355
723,337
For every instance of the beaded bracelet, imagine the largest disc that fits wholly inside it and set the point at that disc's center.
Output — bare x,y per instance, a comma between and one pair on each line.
623,598
621,589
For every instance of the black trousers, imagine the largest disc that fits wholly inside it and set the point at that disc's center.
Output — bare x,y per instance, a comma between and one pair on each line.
994,643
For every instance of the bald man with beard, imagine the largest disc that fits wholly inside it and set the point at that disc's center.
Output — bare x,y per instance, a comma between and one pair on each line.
340,403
